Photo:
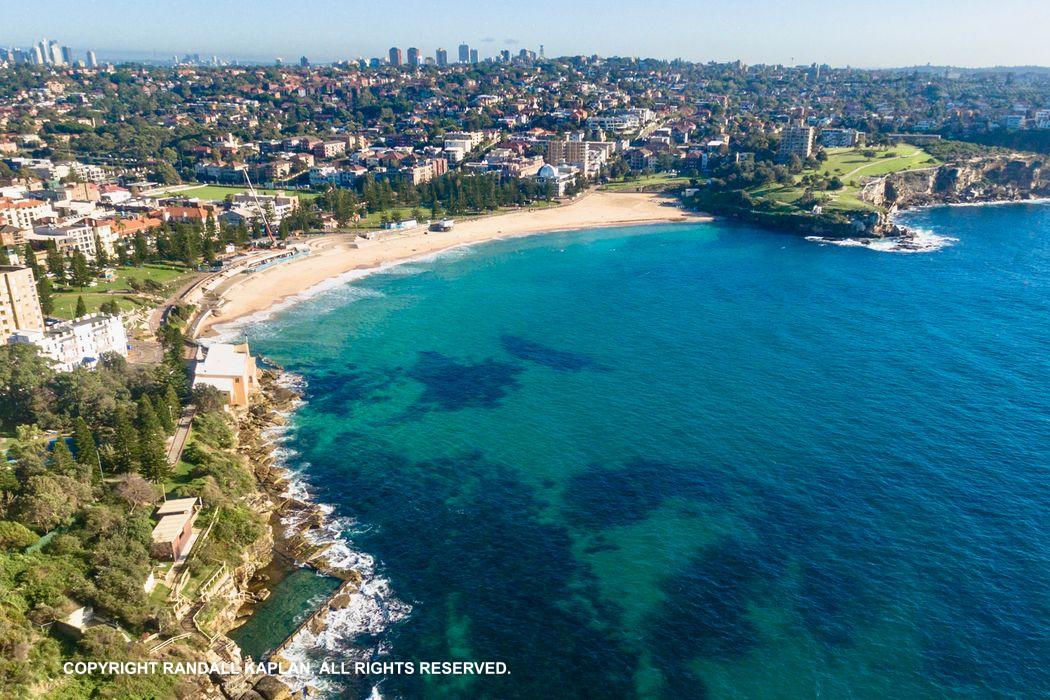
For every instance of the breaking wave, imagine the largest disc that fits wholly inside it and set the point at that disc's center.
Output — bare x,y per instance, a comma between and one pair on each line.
917,241
350,633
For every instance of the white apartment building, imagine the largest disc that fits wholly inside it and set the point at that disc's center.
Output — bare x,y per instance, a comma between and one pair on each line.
78,343
77,236
621,120
85,171
21,213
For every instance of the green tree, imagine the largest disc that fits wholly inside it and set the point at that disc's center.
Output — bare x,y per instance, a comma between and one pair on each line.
172,398
140,249
80,273
101,256
62,461
24,375
84,444
46,296
81,308
15,535
125,445
56,264
30,261
47,500
153,459
163,410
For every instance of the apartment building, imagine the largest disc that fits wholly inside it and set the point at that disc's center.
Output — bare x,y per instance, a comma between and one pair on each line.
840,138
19,304
79,236
795,141
78,343
329,149
588,156
21,213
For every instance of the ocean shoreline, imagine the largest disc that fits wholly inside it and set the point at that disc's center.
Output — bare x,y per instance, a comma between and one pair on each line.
303,533
338,258
326,521
906,238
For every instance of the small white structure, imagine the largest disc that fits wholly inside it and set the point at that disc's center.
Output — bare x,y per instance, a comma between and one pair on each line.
400,225
78,343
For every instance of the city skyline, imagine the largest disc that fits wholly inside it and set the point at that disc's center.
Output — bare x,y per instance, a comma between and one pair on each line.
965,33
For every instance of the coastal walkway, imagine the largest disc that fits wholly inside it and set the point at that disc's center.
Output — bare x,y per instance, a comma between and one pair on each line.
182,434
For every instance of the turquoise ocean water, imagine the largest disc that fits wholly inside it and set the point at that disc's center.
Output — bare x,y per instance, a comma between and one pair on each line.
700,460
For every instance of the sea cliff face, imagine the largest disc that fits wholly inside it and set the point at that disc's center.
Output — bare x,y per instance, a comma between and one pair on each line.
997,178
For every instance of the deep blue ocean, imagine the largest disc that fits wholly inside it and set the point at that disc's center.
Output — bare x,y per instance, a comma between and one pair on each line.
695,460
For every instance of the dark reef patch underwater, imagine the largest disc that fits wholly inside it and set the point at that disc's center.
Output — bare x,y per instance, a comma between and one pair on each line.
699,460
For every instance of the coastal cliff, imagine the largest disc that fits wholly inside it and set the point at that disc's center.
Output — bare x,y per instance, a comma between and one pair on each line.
993,179
987,179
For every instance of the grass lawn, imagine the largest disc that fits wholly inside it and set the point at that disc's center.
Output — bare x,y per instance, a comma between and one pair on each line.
852,167
169,276
198,579
375,219
66,303
654,181
219,192
180,475
159,594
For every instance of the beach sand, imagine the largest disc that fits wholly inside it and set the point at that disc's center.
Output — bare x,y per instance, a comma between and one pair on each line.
338,254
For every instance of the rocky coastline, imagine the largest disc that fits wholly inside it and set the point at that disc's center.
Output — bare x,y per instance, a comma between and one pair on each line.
290,541
987,180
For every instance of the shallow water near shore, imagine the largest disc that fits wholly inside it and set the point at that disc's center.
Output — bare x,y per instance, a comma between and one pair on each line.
699,460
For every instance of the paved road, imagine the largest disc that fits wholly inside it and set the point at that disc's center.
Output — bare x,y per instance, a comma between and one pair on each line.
157,317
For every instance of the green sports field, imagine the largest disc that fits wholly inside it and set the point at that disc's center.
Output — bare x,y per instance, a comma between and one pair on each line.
218,192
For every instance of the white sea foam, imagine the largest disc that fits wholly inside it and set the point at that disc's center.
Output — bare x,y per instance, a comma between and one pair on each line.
234,329
351,633
920,241
995,203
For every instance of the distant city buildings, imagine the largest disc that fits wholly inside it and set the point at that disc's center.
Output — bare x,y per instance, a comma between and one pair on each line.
413,57
441,58
47,53
395,56
464,53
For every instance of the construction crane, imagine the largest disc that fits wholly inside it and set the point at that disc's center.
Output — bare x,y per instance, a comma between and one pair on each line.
262,212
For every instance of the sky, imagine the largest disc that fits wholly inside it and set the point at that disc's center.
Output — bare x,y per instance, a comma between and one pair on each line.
873,33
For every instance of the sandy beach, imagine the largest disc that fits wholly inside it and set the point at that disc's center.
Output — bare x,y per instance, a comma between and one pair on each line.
338,254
